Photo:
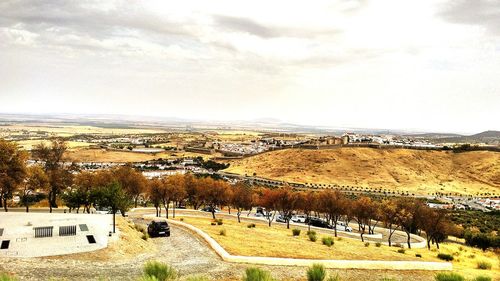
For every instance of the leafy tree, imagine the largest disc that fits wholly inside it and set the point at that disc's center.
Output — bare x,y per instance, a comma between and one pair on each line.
59,175
12,170
36,179
132,181
333,204
113,196
241,198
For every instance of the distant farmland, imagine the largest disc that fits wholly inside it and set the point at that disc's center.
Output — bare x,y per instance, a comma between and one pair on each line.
415,171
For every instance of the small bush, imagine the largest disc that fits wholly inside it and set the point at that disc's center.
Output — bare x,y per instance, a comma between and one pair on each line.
6,277
482,278
339,238
257,274
161,271
312,237
334,278
219,221
445,257
401,251
181,219
145,236
418,255
296,232
251,225
378,244
311,232
146,278
213,223
483,265
367,244
222,232
316,272
328,241
449,277
387,279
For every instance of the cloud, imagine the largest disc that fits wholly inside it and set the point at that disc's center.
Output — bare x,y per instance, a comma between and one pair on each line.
484,13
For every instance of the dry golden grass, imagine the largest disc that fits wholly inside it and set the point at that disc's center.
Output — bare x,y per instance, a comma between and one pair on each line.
29,144
103,155
62,130
416,171
277,241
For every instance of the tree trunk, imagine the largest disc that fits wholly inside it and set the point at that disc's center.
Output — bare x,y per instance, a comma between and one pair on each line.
213,213
362,238
114,221
135,201
5,204
27,208
408,240
287,223
173,211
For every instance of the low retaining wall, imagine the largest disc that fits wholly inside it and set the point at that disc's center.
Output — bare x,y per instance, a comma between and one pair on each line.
341,264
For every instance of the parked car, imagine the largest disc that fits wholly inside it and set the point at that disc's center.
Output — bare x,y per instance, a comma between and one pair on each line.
318,223
299,218
209,209
343,227
158,228
280,218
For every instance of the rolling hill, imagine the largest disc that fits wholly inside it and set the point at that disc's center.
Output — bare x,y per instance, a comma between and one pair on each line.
416,171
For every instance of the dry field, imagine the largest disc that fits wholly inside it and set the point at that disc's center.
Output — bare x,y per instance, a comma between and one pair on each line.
416,171
29,144
70,130
102,155
277,241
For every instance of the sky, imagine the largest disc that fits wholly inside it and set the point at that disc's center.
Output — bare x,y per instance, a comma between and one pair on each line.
416,65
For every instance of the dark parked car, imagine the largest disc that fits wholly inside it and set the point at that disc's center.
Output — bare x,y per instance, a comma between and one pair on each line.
158,228
209,209
318,223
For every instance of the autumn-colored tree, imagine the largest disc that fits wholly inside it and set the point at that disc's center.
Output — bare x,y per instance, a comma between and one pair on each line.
409,216
307,203
132,181
12,170
241,198
389,211
332,203
194,190
268,199
215,193
362,212
435,224
60,176
178,190
155,194
287,202
36,180
86,183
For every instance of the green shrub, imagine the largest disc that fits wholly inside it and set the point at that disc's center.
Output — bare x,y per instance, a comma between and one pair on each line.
446,257
316,272
418,255
213,223
482,278
296,232
222,232
219,221
181,219
148,278
367,244
449,277
483,265
162,272
378,244
312,237
311,232
328,241
145,236
251,225
401,251
257,274
6,277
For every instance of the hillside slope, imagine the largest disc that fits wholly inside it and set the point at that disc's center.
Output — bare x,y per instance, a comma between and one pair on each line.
417,171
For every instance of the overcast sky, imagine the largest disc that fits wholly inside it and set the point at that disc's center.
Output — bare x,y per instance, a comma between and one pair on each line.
425,65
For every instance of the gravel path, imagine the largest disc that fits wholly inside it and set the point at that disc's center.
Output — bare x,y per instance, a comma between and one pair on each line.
184,251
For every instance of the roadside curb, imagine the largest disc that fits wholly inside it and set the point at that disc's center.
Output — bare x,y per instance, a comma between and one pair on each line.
338,264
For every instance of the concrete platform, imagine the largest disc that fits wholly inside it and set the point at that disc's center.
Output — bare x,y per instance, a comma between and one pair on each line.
18,229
